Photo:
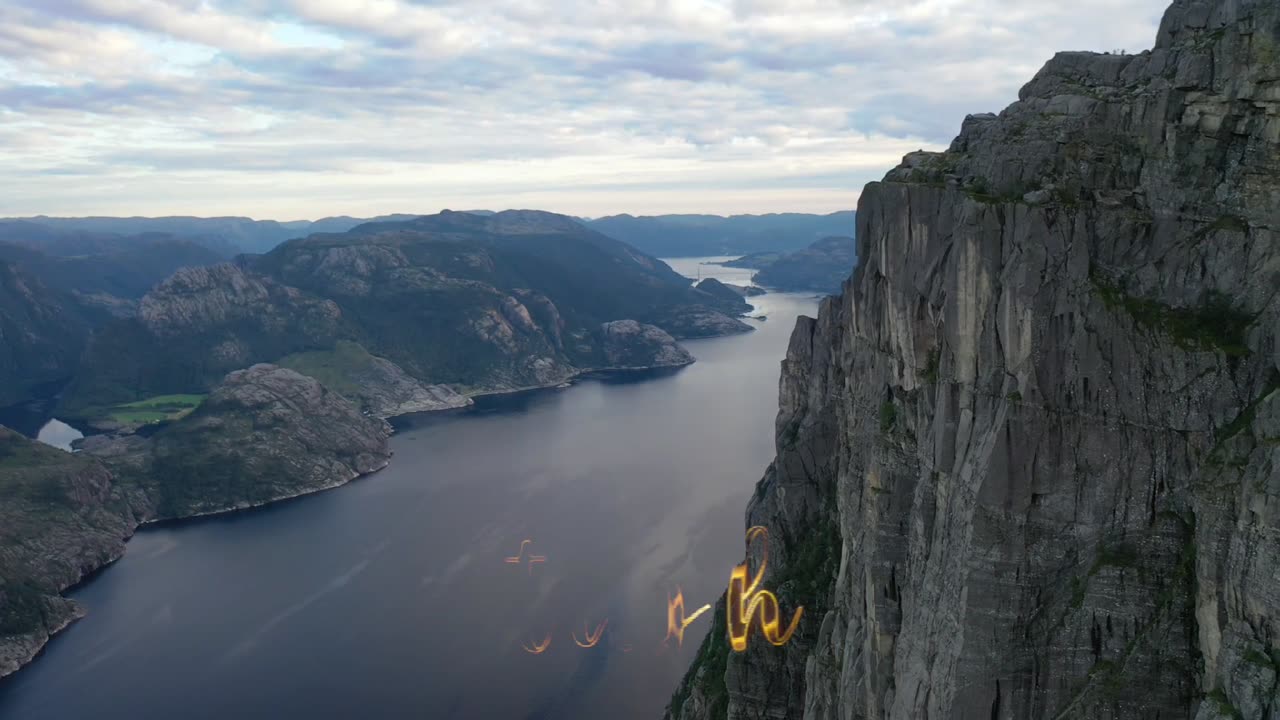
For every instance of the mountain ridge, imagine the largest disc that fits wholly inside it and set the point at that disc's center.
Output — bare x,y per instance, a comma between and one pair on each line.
477,303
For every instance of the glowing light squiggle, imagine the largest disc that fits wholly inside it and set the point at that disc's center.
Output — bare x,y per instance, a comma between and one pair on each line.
676,620
537,648
515,559
592,639
746,599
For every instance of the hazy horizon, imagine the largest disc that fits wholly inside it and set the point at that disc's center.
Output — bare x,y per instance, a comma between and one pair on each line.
362,216
289,109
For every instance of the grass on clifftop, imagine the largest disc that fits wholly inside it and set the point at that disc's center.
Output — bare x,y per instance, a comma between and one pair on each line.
157,409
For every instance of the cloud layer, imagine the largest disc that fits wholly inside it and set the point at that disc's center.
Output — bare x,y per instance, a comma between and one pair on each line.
304,108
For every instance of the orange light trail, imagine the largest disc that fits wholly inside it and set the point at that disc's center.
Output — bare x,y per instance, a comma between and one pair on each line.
676,620
537,648
592,639
745,599
515,559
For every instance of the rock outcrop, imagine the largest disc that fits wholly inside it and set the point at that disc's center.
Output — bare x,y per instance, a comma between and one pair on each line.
725,294
1027,462
265,434
630,345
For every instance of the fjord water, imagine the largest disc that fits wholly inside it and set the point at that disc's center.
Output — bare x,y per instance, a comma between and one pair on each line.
390,597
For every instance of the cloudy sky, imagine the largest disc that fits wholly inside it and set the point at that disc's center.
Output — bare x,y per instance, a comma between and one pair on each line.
293,109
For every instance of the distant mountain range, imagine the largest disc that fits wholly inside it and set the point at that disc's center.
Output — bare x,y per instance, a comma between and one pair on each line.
704,235
661,235
225,235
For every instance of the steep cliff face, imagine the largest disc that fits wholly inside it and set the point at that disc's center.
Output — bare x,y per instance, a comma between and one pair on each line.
1042,421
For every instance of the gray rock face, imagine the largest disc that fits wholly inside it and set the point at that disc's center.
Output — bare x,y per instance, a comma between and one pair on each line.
390,392
1027,462
629,344
219,295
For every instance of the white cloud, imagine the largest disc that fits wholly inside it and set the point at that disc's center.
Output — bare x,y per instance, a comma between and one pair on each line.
296,108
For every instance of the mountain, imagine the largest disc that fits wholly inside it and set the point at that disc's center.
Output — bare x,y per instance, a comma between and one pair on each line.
225,235
1030,455
264,434
664,235
705,235
725,294
42,334
821,267
475,303
127,271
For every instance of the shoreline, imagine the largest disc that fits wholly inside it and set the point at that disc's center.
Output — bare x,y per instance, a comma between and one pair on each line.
80,612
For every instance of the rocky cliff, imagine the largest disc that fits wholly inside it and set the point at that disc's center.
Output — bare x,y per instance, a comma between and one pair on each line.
1027,462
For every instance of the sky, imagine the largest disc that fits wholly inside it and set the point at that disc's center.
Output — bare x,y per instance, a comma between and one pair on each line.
299,109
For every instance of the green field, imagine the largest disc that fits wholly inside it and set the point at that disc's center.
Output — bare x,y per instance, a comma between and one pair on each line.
161,408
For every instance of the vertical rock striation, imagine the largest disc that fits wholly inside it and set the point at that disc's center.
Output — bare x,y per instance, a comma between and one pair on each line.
1027,462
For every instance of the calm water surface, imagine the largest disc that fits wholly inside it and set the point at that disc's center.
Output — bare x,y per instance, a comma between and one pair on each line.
390,597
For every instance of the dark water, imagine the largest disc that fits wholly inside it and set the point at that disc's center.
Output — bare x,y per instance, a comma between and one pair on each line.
390,597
